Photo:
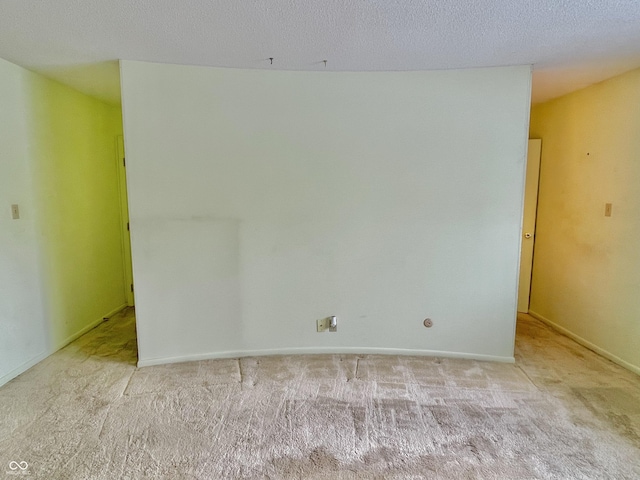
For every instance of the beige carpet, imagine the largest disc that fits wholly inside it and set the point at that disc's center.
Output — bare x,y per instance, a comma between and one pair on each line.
86,412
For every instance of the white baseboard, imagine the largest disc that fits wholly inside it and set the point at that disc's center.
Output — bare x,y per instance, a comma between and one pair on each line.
88,327
321,350
41,356
24,367
585,343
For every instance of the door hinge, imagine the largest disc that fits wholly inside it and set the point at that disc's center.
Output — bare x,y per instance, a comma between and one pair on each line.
132,287
124,162
128,229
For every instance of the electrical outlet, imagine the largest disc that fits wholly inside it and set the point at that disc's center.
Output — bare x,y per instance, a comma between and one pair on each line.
323,324
327,323
15,212
607,209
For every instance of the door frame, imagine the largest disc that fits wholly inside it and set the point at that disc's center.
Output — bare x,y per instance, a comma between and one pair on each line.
124,221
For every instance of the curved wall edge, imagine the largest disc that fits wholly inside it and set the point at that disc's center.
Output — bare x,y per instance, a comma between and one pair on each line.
322,351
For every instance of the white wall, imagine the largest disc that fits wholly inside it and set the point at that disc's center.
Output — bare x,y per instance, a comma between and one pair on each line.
61,263
586,275
22,325
262,201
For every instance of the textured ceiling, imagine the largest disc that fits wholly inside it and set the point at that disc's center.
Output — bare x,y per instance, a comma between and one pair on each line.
571,43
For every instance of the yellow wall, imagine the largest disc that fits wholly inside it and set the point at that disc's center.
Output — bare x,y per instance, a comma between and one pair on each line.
71,216
74,165
586,273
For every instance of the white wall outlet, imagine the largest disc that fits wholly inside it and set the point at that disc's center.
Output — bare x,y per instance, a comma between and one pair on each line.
322,324
328,323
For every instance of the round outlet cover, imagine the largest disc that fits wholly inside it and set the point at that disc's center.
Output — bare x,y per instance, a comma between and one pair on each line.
428,323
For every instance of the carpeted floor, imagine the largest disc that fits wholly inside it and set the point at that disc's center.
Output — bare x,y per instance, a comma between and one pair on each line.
86,412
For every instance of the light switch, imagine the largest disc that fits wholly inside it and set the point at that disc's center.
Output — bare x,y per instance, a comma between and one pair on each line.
607,209
15,212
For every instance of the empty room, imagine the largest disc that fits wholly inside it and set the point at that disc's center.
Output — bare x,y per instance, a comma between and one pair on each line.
334,240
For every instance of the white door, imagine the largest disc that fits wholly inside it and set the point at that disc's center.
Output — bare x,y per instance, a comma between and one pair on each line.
529,223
